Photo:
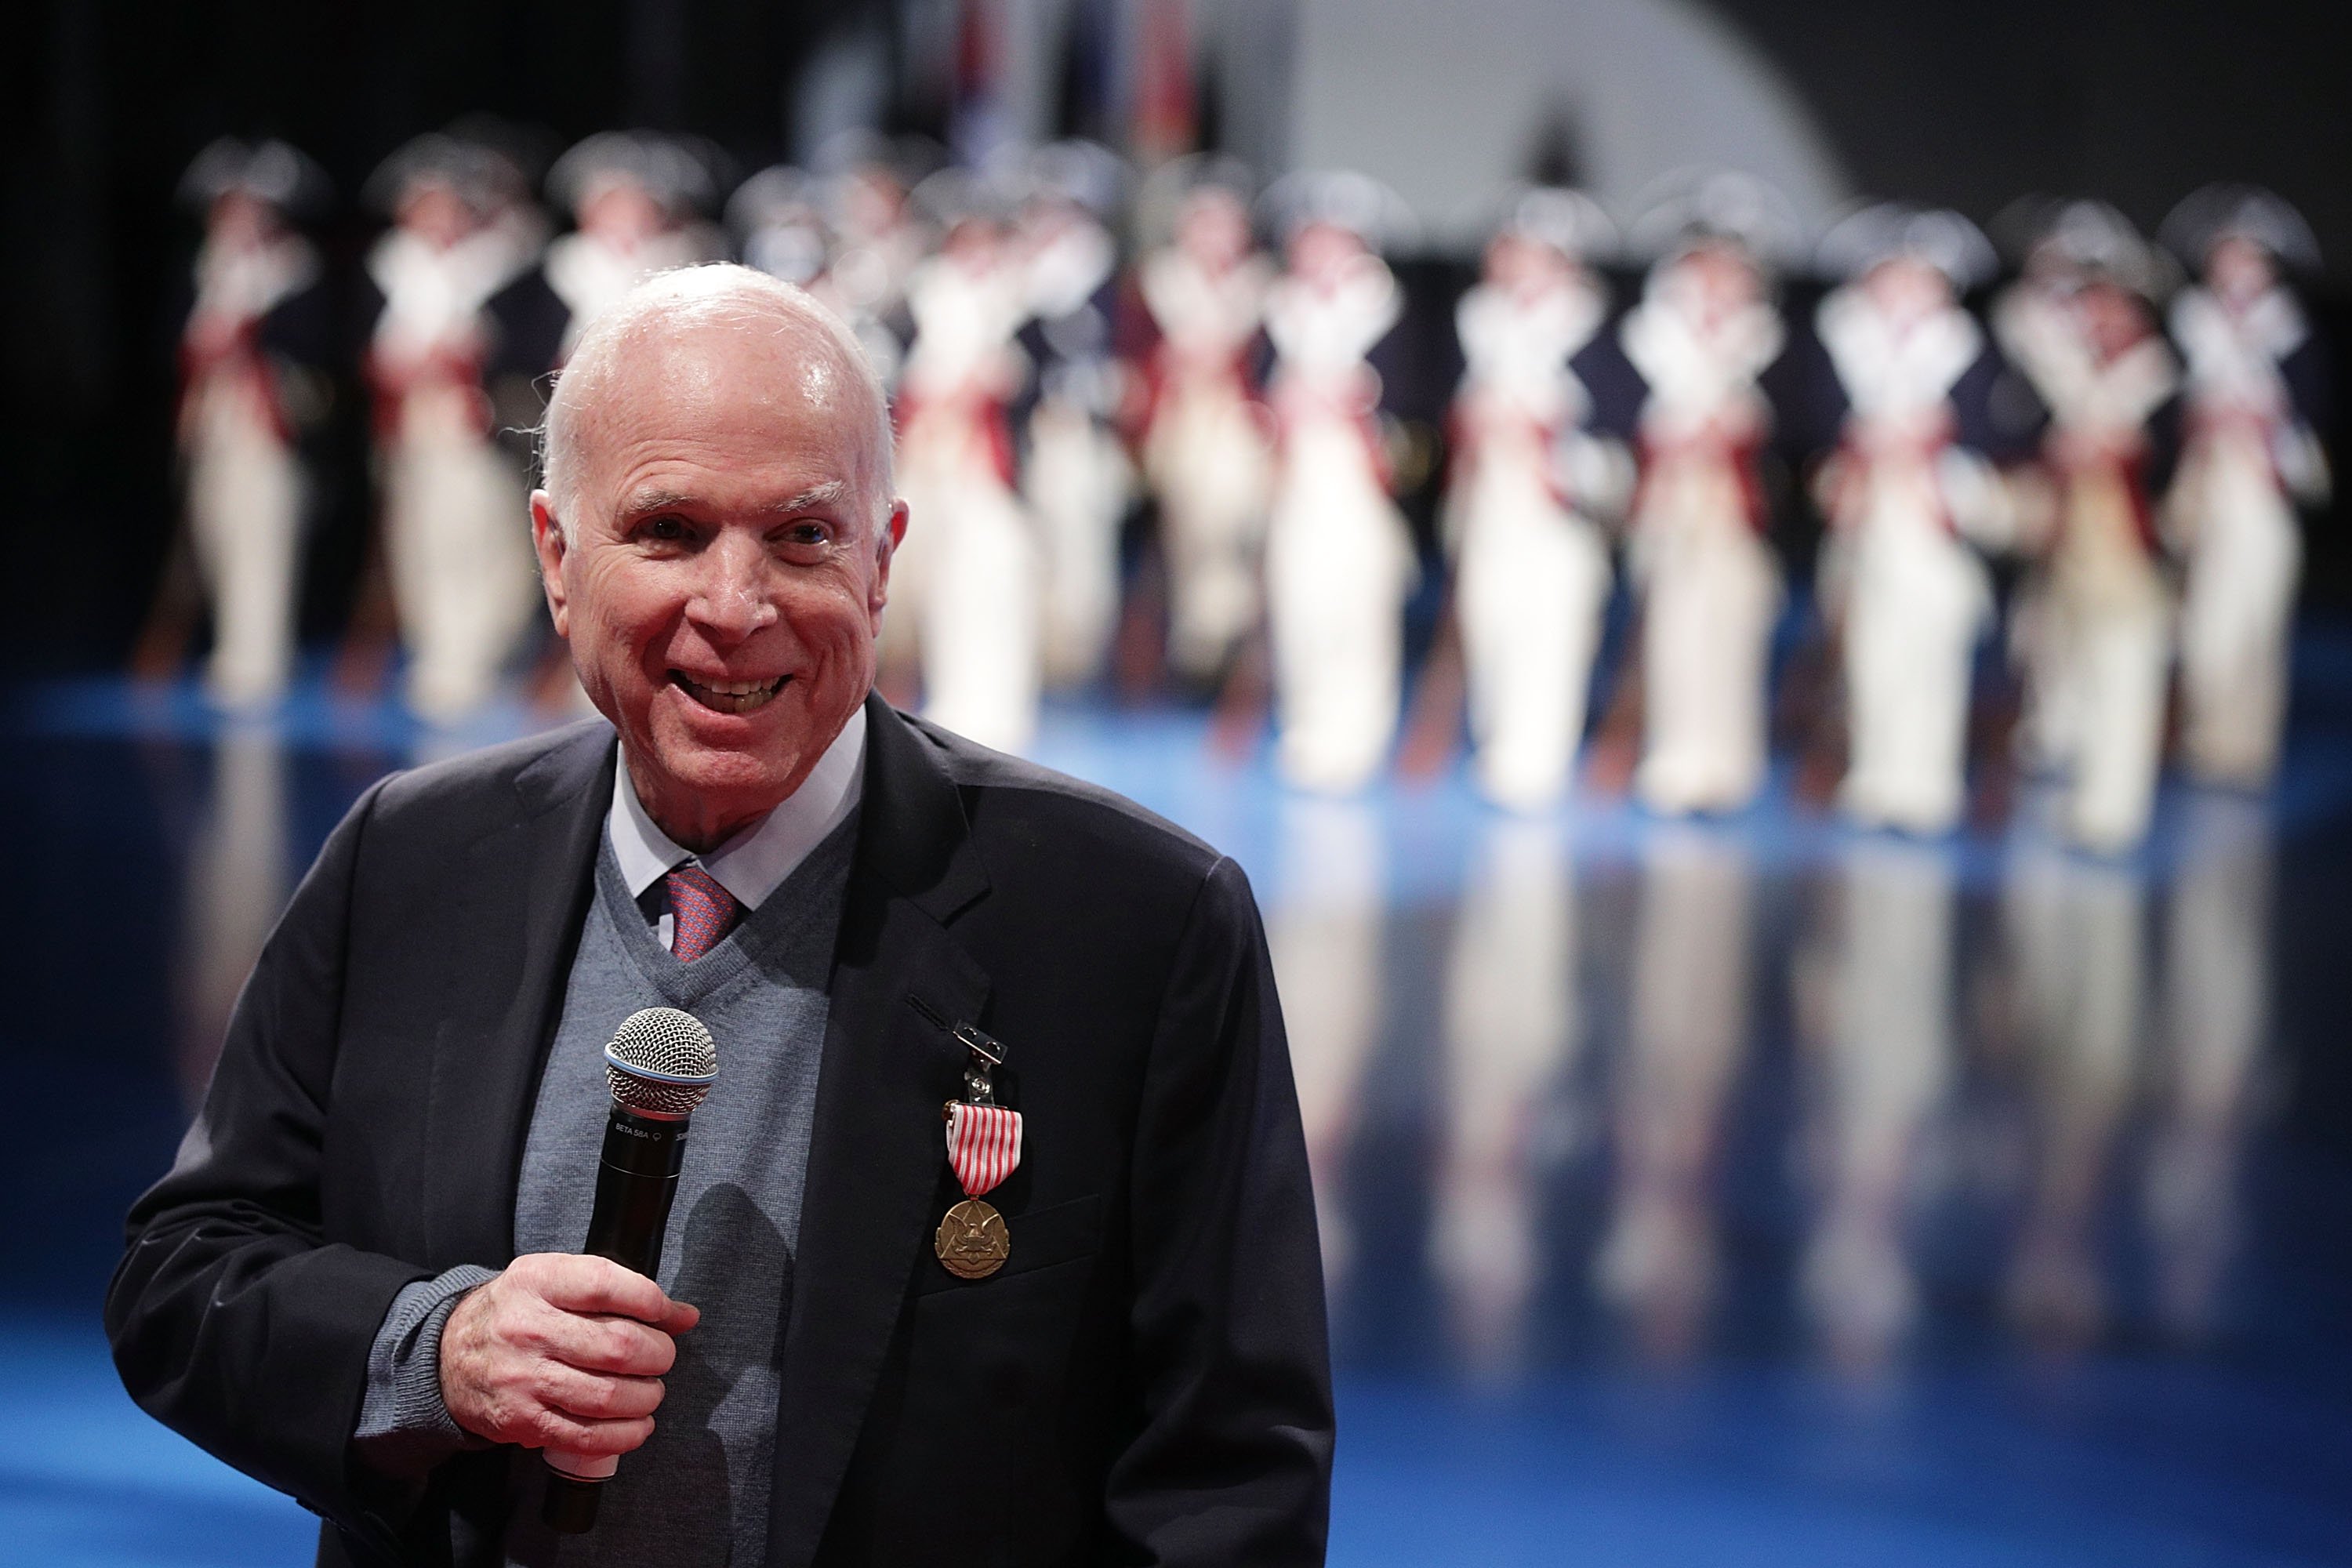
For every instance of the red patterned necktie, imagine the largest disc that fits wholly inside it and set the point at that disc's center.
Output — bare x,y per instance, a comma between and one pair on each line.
702,912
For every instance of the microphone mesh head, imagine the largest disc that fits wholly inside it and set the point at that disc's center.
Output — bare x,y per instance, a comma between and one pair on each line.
661,1062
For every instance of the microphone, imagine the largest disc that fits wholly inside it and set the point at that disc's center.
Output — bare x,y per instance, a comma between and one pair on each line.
661,1063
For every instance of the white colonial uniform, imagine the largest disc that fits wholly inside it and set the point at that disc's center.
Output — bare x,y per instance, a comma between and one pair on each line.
1531,568
1710,585
1338,556
1911,596
1077,476
455,516
1206,452
245,477
2248,459
2098,632
965,586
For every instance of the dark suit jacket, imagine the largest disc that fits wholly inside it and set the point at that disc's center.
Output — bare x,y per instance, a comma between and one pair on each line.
1144,1382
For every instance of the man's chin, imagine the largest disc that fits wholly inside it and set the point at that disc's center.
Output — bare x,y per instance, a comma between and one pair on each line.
740,756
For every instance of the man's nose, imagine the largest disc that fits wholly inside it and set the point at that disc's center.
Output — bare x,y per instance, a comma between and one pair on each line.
733,600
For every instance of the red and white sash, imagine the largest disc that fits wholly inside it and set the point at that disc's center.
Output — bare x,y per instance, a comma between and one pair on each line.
983,1145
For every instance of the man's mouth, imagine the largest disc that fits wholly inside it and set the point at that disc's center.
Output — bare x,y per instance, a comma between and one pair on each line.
729,695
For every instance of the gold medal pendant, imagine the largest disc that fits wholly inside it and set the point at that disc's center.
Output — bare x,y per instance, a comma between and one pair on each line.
972,1242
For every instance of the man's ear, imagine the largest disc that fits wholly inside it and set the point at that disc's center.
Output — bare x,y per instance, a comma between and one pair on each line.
547,538
886,540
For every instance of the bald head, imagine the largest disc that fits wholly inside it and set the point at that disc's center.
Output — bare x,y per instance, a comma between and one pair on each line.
672,314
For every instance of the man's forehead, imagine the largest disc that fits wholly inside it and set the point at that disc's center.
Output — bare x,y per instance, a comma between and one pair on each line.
706,380
753,359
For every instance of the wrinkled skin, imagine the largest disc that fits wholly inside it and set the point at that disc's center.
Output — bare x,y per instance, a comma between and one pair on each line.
726,531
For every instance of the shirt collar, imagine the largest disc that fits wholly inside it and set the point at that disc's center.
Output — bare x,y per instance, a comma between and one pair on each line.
756,860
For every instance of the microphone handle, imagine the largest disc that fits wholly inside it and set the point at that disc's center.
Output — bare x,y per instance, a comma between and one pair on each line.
636,1182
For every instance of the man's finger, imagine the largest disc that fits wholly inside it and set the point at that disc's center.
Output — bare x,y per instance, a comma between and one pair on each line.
579,1284
589,1397
553,1429
618,1346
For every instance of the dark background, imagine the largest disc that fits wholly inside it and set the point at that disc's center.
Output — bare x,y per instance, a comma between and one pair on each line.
1970,105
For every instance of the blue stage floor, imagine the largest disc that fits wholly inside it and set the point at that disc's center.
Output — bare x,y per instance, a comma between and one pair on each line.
1746,1193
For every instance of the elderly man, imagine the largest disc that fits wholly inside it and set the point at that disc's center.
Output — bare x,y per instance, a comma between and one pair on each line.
358,1282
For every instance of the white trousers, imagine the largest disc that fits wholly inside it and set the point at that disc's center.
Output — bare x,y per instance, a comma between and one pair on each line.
2244,556
1337,563
1077,482
970,568
245,517
1209,467
1710,591
1914,602
457,529
1530,586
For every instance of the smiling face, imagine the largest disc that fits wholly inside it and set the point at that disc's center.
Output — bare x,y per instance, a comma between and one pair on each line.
721,570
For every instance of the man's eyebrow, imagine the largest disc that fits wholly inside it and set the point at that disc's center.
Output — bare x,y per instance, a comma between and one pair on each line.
642,502
833,492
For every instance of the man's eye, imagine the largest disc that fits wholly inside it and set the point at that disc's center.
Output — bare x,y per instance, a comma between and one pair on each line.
663,530
806,534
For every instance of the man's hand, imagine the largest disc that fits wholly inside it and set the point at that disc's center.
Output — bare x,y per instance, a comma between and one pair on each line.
562,1352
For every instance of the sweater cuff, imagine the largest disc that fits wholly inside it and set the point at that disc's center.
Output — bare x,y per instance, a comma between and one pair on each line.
405,1429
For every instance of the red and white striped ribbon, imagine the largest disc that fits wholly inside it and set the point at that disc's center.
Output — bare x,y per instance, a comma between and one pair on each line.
983,1145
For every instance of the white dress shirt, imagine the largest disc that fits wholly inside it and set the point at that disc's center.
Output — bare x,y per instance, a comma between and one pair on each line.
755,861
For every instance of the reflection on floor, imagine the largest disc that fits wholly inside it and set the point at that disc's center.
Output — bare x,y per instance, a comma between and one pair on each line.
1739,1191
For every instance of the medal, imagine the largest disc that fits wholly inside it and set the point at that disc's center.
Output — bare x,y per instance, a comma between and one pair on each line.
972,1242
983,1146
983,1142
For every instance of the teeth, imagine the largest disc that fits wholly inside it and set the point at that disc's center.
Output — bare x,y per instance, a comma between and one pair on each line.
731,696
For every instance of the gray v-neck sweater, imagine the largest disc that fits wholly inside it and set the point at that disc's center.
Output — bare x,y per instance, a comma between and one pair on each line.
696,1493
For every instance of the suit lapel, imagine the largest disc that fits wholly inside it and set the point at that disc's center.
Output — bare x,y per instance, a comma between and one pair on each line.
515,924
875,1154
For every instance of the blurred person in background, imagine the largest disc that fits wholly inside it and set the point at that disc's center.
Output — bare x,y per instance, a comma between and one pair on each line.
1531,564
777,221
1204,443
1339,554
454,521
1074,472
1709,583
638,197
1910,497
2256,398
879,238
2097,628
968,588
255,381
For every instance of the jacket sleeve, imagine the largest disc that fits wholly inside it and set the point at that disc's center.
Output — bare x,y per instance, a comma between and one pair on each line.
233,1321
1232,1460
